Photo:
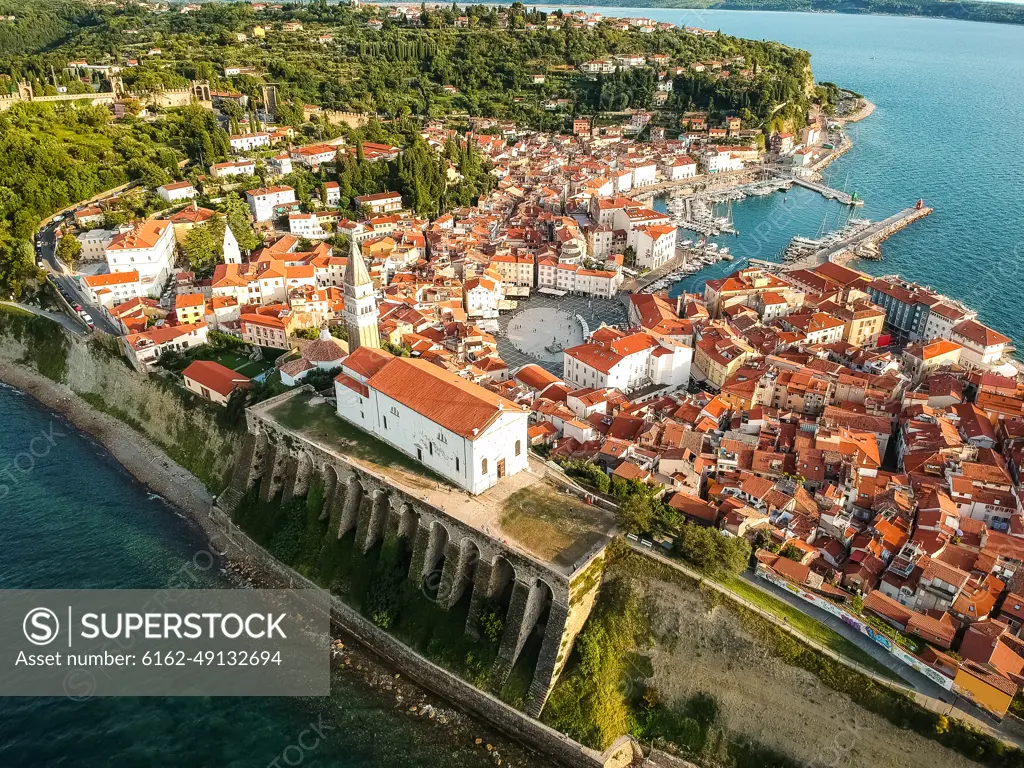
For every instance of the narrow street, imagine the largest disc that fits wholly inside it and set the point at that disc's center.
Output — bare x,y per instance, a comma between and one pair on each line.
46,252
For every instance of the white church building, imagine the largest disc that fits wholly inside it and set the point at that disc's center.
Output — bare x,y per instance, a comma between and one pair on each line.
459,430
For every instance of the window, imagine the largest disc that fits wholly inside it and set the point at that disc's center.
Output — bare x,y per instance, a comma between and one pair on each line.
518,447
483,466
419,454
430,446
457,464
385,421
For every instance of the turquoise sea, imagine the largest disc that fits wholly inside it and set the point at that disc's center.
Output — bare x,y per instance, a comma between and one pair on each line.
947,129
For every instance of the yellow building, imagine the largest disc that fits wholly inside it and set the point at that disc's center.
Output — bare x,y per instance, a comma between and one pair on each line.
190,307
985,686
718,359
864,323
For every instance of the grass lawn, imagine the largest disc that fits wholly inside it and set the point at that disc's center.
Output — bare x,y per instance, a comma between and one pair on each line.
554,525
240,363
808,626
235,360
322,424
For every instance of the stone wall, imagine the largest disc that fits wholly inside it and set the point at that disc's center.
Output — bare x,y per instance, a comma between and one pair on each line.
351,119
227,538
449,556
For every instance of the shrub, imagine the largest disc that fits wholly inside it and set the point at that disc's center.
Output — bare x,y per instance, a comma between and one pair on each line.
711,551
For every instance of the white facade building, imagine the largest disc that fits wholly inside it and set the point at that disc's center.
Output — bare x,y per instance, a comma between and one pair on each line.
603,283
459,430
481,296
263,201
237,168
654,245
176,191
720,159
248,141
305,225
645,174
626,362
982,346
679,168
111,289
147,248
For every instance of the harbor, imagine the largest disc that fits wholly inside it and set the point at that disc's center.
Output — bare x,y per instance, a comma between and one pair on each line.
859,238
690,258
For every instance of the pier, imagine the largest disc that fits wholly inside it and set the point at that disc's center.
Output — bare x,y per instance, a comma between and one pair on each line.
827,192
847,247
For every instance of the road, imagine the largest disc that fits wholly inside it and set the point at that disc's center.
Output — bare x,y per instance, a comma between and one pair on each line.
913,679
959,706
72,325
46,251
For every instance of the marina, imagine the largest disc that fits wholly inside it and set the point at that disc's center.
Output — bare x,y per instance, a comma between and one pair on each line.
695,214
859,238
690,258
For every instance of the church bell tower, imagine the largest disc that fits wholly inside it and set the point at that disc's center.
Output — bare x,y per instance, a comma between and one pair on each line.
360,304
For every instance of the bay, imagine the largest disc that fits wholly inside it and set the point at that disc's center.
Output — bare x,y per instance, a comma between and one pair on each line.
947,129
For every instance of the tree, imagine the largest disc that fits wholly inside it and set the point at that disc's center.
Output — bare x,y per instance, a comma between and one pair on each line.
857,604
237,213
201,248
17,267
69,249
637,513
792,553
288,114
711,550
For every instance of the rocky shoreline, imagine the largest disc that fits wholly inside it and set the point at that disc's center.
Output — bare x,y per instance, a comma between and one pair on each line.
183,491
865,111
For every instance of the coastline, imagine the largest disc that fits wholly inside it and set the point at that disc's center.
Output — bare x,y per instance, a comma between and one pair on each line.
182,491
577,6
865,111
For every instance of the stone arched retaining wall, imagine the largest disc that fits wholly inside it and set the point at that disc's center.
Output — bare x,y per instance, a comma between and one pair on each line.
449,556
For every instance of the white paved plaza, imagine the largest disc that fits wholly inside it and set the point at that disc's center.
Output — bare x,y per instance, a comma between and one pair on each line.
533,334
543,332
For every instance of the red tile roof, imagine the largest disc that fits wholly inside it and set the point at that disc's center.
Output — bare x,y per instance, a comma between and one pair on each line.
441,396
215,377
